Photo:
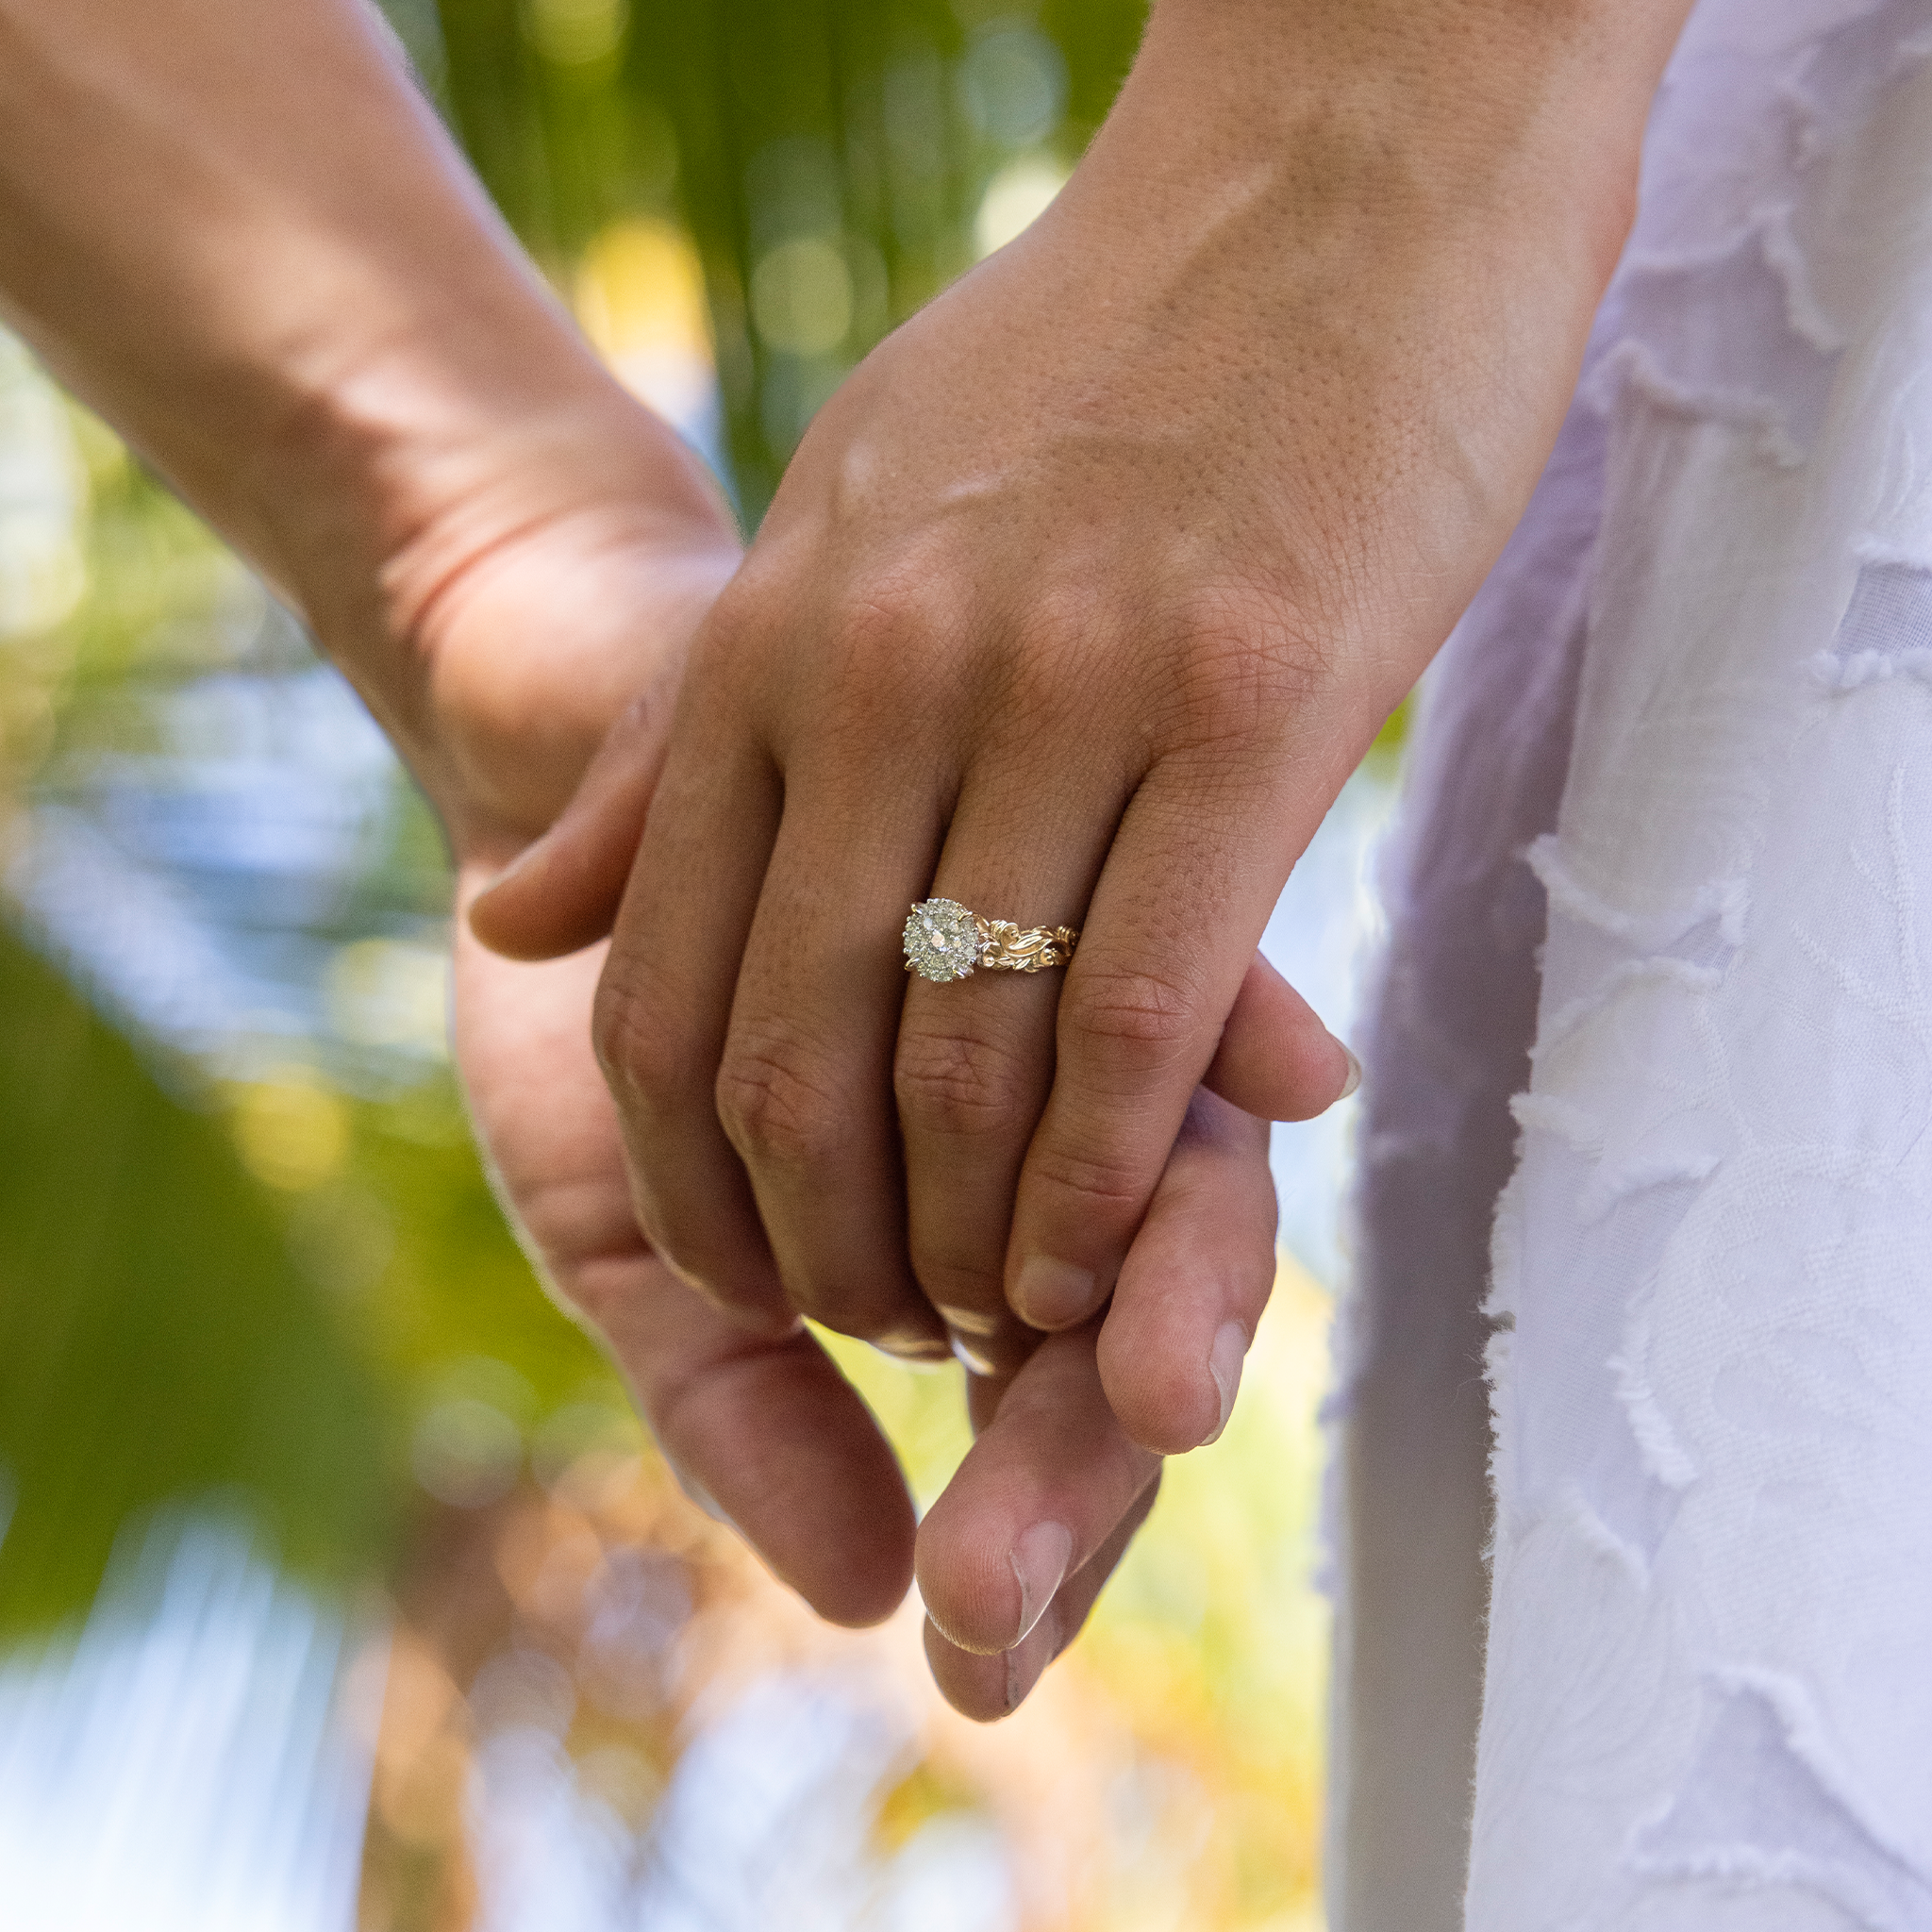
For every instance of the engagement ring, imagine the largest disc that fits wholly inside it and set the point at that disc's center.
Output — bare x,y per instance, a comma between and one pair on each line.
944,940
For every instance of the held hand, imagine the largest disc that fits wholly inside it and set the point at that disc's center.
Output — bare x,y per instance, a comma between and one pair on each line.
1078,602
587,614
528,651
765,1428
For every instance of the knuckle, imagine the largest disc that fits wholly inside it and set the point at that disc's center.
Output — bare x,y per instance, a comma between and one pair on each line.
959,1266
953,1084
1133,1021
1100,1182
886,619
738,632
1244,663
881,667
884,615
778,1102
634,1045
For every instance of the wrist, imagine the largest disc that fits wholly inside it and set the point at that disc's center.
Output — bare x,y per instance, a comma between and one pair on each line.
257,255
500,549
1366,119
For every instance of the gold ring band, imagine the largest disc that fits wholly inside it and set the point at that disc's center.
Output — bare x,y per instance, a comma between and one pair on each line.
945,941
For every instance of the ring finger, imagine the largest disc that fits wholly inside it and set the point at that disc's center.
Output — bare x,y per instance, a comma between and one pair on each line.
803,1085
976,1055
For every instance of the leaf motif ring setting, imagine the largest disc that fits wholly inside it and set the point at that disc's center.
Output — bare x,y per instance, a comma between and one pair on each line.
945,942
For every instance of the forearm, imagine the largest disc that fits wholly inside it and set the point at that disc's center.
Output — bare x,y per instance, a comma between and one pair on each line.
234,227
1392,110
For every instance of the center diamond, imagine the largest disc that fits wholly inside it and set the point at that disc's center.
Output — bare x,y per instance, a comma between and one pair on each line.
942,940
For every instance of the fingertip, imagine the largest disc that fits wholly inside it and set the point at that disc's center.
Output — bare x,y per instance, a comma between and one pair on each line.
498,916
1053,1296
987,1688
779,1445
970,1583
1276,1060
1170,1405
862,1608
1193,1287
865,1590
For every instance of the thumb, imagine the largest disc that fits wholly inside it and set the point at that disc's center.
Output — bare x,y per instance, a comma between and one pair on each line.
1276,1060
561,891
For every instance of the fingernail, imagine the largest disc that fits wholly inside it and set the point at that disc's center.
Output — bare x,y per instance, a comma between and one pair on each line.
968,1320
1017,1685
1038,1558
1052,1295
1355,1073
965,1329
921,1349
1225,1364
974,1361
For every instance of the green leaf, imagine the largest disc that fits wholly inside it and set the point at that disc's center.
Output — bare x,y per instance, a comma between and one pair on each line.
157,1342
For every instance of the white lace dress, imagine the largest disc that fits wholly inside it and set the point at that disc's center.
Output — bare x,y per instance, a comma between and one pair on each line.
1661,978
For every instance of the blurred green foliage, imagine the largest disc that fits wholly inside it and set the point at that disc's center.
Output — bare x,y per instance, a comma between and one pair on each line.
213,1291
828,157
156,1339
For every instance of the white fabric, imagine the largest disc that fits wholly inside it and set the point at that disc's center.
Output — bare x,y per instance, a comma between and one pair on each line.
1697,694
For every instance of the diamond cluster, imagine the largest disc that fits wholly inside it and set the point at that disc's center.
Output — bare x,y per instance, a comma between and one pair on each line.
942,940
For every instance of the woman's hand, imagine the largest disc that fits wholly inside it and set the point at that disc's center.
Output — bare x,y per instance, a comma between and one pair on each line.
1078,602
760,1425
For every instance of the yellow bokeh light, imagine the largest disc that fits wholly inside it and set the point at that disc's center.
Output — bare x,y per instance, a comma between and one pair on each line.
574,33
389,992
639,295
640,290
291,1131
1015,198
